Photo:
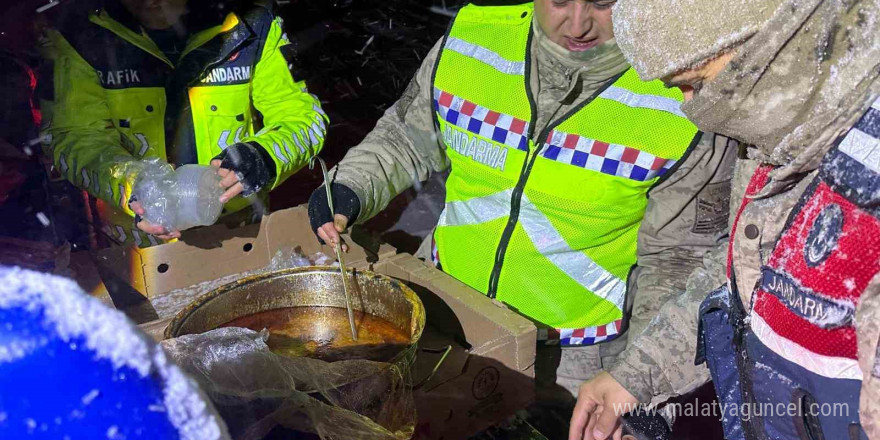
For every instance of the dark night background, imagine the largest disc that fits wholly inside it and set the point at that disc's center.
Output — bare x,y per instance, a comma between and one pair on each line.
357,56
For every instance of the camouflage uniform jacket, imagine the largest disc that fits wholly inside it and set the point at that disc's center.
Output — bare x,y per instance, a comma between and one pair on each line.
686,213
660,361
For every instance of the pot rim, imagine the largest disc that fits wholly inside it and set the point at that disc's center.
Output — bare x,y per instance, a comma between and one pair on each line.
418,314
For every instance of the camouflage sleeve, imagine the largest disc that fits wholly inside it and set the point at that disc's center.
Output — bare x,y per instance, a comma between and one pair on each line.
687,215
659,363
401,151
682,248
868,335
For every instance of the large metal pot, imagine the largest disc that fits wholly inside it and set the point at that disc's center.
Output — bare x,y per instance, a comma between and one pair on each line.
371,293
377,389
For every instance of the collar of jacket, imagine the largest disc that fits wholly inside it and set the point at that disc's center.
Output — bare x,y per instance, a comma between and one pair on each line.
566,69
116,19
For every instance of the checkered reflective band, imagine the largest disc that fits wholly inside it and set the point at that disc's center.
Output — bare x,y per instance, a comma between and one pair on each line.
616,160
580,336
499,127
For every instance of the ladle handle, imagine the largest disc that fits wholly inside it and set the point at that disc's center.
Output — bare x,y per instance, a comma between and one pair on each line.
326,183
354,334
342,271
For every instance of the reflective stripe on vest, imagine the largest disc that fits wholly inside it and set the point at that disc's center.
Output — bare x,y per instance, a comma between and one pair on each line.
612,159
654,102
499,127
550,243
485,55
544,236
577,198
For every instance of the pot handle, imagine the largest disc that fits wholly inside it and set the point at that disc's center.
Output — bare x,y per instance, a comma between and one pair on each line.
445,352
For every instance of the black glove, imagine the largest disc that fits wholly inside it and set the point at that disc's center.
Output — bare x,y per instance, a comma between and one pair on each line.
345,202
646,425
251,163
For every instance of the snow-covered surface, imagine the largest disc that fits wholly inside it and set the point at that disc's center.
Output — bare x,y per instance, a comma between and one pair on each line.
75,316
16,349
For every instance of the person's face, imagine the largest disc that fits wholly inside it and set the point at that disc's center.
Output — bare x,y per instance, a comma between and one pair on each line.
576,25
690,81
156,14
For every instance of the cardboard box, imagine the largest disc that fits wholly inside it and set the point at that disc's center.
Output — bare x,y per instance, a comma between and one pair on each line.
488,370
213,252
489,373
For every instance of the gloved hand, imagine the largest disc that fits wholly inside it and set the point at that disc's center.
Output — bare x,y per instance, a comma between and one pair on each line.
246,168
346,205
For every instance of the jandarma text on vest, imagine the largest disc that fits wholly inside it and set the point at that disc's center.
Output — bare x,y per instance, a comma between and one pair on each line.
225,74
474,147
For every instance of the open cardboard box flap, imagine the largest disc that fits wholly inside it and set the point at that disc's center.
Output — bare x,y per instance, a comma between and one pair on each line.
488,326
213,252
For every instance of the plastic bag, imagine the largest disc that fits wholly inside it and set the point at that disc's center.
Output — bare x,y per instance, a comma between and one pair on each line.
255,389
178,199
153,189
291,257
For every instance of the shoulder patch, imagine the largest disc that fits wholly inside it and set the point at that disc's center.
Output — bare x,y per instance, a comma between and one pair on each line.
824,235
712,208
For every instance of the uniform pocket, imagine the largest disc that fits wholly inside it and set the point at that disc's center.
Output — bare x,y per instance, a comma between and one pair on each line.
222,117
139,114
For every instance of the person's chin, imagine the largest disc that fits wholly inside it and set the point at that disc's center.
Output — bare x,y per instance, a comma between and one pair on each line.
580,45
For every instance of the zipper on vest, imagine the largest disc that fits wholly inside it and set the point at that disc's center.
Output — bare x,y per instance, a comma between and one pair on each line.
513,218
516,196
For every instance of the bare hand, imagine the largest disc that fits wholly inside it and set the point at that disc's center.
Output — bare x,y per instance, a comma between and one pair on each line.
601,402
329,232
229,181
150,228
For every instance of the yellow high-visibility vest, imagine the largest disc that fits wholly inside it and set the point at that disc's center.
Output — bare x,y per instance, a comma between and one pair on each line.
550,227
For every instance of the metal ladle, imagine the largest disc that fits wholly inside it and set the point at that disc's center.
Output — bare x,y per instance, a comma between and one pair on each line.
342,271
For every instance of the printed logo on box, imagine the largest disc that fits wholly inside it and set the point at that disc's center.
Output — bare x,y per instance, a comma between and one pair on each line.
485,383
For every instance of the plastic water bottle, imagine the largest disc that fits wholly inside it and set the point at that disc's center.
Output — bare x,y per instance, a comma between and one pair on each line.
187,197
198,196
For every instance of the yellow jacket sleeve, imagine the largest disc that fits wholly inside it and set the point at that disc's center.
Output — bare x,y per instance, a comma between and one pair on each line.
294,125
86,146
